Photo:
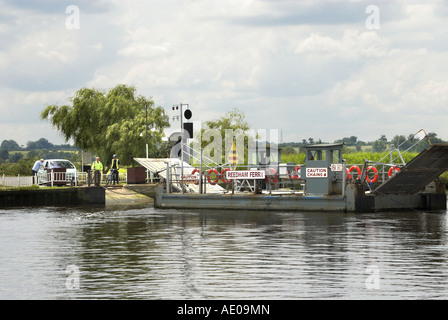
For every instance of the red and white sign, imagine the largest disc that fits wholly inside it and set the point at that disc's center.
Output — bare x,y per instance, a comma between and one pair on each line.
316,172
336,167
245,174
191,178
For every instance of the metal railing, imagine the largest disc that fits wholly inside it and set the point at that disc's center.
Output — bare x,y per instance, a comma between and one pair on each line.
372,172
384,170
51,179
83,178
206,180
16,181
58,178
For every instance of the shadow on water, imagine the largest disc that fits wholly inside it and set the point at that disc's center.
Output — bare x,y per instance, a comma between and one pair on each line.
201,254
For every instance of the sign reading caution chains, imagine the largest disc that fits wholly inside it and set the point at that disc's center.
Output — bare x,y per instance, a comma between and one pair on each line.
316,172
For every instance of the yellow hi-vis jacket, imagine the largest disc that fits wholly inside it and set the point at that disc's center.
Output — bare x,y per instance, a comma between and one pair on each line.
97,165
117,164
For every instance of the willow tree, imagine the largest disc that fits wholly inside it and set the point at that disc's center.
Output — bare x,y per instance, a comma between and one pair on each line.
108,123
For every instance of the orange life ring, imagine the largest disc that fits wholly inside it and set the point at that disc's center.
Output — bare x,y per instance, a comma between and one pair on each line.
297,170
215,181
271,172
355,168
348,176
223,175
375,177
193,172
391,171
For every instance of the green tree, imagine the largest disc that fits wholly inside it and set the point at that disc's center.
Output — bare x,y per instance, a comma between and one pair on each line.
379,146
10,145
350,141
400,141
288,150
42,143
15,157
434,139
108,123
4,154
232,120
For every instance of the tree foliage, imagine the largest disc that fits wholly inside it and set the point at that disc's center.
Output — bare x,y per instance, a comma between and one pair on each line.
10,145
108,123
233,121
42,143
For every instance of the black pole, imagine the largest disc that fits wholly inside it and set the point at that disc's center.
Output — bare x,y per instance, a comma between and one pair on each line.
146,127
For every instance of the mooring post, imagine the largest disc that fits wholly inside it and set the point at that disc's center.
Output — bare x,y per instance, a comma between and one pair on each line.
89,177
168,178
344,172
200,173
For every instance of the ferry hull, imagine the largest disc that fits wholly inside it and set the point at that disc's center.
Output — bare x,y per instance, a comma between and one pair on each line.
353,201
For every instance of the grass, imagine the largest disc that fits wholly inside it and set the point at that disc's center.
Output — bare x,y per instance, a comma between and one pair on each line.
33,187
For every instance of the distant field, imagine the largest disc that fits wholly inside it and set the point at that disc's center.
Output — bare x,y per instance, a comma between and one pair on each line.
354,157
25,152
363,148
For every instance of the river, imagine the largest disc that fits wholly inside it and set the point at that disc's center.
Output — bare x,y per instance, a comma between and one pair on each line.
145,253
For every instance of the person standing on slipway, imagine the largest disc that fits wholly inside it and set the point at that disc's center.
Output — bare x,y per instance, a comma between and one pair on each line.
97,168
39,164
115,167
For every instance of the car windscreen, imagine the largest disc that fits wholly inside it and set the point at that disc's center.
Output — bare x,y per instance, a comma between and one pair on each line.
62,164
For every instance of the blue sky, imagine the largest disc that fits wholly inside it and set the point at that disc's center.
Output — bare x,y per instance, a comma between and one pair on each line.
310,68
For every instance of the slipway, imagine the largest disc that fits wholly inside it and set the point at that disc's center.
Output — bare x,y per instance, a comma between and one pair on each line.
418,173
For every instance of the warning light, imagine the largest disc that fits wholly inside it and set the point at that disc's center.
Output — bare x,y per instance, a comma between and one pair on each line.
187,114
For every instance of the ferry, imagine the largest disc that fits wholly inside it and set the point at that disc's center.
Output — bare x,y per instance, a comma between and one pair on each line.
325,182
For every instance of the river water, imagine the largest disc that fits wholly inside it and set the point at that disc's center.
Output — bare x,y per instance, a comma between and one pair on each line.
145,253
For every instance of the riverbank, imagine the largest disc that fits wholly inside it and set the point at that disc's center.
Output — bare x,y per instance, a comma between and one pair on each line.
77,196
32,197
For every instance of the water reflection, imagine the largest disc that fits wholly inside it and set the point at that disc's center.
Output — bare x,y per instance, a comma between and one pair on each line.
151,254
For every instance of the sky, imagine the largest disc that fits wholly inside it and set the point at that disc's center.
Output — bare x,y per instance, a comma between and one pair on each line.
320,69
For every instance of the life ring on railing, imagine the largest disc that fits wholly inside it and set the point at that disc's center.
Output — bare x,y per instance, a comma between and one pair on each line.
348,176
223,175
215,181
297,170
193,172
392,171
375,177
271,172
354,168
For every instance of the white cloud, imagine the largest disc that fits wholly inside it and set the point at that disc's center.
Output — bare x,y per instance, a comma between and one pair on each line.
353,45
310,68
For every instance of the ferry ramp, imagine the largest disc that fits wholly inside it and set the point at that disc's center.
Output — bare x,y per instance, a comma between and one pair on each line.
418,173
159,166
